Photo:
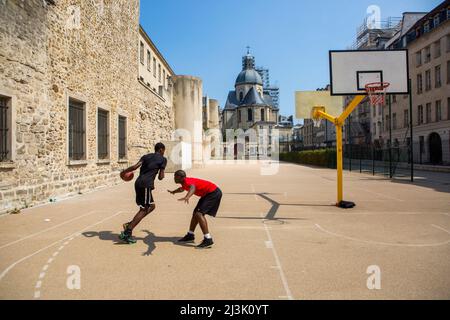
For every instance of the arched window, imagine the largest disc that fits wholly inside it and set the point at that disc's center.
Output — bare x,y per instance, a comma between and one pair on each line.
241,96
249,114
262,115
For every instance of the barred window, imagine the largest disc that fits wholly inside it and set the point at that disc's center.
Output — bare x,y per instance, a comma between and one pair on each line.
5,129
122,137
420,115
102,134
77,130
437,77
438,111
428,112
159,72
141,52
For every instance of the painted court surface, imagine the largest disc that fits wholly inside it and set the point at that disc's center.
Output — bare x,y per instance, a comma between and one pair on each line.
276,237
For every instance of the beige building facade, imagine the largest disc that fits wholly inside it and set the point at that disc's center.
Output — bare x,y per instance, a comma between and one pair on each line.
428,44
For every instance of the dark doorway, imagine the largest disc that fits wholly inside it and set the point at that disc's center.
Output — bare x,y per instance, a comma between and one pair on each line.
435,147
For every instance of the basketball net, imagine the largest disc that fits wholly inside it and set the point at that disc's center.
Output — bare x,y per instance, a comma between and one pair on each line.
317,122
377,93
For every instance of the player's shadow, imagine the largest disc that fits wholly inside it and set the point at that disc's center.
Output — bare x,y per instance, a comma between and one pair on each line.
270,215
150,239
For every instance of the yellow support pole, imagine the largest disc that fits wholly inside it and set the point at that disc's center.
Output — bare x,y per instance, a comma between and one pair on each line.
339,123
339,164
355,102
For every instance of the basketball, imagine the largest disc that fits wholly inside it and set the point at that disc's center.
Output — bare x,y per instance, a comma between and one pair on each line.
127,176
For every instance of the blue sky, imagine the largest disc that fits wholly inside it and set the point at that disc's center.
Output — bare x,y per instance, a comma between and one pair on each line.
207,38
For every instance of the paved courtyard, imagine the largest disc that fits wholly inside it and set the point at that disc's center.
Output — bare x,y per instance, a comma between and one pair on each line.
277,237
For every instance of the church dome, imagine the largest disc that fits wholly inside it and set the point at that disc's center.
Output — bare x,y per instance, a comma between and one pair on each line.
249,76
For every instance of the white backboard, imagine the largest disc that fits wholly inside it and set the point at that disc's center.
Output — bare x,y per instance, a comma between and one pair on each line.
306,100
351,70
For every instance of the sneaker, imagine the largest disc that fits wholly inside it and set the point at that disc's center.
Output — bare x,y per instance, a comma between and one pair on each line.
187,238
126,238
206,243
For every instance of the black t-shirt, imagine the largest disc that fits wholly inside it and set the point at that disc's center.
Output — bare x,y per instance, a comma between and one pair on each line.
151,164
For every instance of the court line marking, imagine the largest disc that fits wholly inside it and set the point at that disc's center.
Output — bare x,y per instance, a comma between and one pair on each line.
382,243
45,230
278,263
10,267
440,228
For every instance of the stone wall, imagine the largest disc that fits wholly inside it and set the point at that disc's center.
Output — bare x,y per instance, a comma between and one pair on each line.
78,49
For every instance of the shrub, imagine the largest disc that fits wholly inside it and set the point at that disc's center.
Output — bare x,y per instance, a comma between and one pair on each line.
322,157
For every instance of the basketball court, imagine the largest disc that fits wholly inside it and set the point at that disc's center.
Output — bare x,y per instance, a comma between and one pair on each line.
274,239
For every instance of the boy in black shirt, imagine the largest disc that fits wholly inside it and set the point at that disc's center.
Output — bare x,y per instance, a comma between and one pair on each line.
150,165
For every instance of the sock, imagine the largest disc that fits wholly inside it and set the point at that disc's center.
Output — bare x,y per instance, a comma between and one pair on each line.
190,232
208,236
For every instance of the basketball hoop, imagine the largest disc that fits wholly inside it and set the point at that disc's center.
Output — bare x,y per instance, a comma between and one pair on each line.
317,120
377,93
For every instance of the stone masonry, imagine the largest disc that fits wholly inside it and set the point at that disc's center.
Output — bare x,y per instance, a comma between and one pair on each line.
88,50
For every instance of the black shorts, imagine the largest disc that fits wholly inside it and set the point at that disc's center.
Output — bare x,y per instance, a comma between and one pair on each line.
144,197
209,204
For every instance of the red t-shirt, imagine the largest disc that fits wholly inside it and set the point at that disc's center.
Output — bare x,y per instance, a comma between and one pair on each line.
202,187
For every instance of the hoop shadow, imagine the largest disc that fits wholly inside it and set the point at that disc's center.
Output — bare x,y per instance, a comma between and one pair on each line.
275,206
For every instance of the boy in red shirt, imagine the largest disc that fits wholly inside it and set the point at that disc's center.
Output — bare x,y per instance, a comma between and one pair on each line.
210,196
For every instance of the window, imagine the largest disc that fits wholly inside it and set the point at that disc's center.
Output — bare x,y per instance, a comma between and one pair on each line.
437,77
428,110
159,72
436,20
420,115
241,96
438,111
394,98
427,54
387,122
419,84
249,114
5,129
239,116
394,121
437,49
448,108
427,80
426,27
122,137
448,42
149,60
448,72
77,130
102,134
374,129
141,54
418,59
262,115
154,67
164,79
405,118
374,111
